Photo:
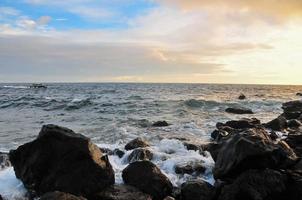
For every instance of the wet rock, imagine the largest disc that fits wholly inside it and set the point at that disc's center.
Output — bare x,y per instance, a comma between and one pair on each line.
295,142
251,149
294,123
160,124
147,177
278,124
118,153
191,146
292,106
213,148
190,168
121,192
197,190
242,97
264,184
140,154
4,161
294,185
239,111
106,151
61,160
60,196
243,123
136,143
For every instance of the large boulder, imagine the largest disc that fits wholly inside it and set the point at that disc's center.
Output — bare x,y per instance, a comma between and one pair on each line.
197,190
60,196
4,161
278,124
264,184
292,109
239,111
61,160
121,192
136,143
251,149
147,177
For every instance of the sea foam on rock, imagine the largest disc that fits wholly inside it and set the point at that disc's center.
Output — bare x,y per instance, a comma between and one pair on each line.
147,177
62,160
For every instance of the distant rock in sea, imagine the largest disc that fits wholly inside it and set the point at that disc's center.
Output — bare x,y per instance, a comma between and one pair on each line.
242,97
239,111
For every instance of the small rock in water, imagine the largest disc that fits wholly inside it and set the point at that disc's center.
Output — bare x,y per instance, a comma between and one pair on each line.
136,143
140,154
239,111
190,168
60,196
242,97
61,160
121,192
118,153
160,124
197,190
4,161
299,94
278,124
147,177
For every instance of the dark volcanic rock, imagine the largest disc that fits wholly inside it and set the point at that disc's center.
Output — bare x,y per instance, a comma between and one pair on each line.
160,124
292,106
147,177
242,97
4,161
60,196
294,123
197,190
121,192
243,123
140,154
239,111
190,168
278,124
136,143
61,160
295,142
191,146
118,153
256,185
251,149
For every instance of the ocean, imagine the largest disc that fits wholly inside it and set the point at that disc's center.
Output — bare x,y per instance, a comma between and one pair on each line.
112,114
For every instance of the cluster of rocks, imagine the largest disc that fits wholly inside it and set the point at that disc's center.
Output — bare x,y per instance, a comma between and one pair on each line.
252,162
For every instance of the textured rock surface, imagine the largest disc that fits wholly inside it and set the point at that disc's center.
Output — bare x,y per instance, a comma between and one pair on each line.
136,143
60,196
197,190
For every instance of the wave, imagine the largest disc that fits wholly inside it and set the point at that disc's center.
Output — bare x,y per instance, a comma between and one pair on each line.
193,103
78,103
16,86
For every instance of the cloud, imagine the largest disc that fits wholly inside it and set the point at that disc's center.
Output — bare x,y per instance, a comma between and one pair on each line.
9,11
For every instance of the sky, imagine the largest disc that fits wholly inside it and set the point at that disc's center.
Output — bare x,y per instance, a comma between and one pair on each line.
185,41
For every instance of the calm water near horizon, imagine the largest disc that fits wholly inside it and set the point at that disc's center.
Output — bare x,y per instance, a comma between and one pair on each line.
112,114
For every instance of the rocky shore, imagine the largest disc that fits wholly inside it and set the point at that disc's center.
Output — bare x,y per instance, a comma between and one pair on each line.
253,161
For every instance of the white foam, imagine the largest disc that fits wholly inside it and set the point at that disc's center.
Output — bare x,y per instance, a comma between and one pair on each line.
10,186
16,86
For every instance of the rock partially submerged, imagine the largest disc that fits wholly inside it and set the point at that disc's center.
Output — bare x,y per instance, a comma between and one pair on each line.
147,177
136,143
160,124
61,160
121,192
239,111
4,161
60,196
140,154
242,97
278,124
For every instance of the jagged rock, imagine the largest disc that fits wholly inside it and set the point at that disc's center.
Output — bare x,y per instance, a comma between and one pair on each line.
118,153
136,143
4,161
190,168
294,123
61,160
242,97
160,124
147,177
264,184
251,149
243,123
121,192
60,196
197,190
295,142
140,154
239,111
278,124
